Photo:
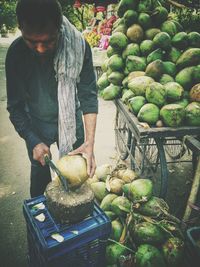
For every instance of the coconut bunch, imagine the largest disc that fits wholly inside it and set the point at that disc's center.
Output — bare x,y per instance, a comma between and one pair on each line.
143,229
109,180
153,65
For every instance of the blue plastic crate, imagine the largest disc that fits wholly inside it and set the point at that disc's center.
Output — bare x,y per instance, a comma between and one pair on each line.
84,242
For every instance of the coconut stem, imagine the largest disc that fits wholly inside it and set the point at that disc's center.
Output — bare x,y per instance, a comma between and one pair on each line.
123,235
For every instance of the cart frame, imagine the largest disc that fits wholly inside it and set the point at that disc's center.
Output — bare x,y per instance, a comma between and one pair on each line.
147,147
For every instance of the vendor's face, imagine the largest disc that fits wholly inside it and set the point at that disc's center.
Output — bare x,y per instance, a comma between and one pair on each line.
42,43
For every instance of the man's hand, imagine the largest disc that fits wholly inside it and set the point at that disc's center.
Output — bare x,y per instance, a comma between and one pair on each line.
39,151
86,150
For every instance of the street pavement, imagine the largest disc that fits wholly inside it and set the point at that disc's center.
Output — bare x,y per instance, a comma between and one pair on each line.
14,171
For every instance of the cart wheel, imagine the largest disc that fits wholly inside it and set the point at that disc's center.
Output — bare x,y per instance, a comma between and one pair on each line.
148,160
175,148
122,136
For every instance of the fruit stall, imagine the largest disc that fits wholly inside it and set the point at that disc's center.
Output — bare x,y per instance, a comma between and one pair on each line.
149,67
98,32
152,75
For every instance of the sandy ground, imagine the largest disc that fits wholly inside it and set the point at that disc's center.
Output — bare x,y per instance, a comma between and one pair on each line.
14,174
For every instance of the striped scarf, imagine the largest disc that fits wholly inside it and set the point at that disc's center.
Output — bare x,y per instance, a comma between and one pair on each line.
68,63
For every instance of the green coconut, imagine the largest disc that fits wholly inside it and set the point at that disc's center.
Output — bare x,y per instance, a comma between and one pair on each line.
139,84
146,47
156,94
140,190
111,215
111,92
154,207
113,252
127,95
149,113
118,41
116,230
165,78
172,115
121,206
135,103
173,250
193,114
99,189
131,49
195,93
174,91
106,202
148,233
148,255
103,81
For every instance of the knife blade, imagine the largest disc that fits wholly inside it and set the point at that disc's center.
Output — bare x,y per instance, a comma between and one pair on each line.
55,169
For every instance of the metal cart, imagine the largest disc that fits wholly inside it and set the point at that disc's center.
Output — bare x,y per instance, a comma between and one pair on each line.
150,149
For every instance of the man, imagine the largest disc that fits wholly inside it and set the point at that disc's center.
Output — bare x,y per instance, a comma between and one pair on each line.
50,85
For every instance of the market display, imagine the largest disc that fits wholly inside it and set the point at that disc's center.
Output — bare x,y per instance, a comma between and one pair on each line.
100,27
153,65
144,233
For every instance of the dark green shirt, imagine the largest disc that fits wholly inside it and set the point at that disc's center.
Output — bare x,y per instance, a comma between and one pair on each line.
32,94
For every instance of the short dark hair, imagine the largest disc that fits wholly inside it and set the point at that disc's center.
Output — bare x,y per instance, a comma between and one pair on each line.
37,14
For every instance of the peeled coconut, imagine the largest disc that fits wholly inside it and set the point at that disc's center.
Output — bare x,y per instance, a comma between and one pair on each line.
119,173
94,179
114,185
74,169
128,176
103,171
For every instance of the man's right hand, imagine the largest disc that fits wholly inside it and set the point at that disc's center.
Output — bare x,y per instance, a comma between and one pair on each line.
39,151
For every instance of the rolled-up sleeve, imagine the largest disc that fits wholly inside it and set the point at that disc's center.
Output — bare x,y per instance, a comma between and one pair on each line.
87,88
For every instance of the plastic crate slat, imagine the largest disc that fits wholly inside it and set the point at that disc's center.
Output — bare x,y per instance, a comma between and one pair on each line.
90,223
84,242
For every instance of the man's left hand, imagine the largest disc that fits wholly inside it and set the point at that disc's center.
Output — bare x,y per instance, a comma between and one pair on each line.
86,150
